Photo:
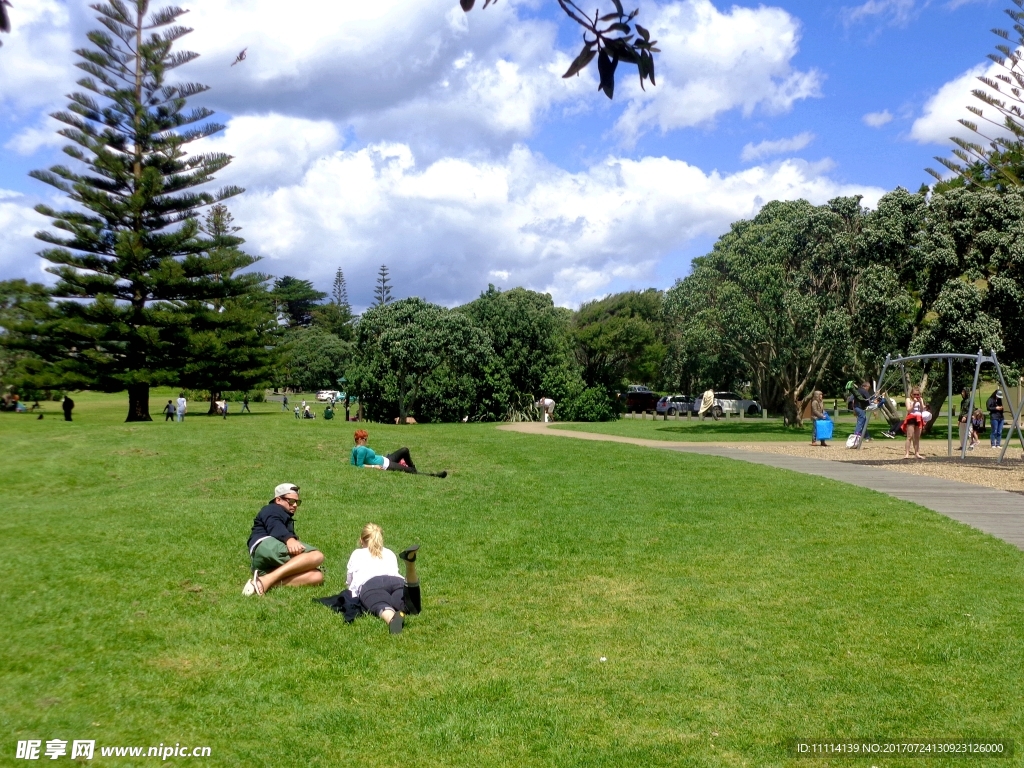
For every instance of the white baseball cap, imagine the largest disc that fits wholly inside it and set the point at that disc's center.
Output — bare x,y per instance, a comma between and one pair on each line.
284,488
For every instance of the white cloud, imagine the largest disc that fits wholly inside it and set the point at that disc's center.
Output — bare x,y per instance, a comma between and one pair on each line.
423,72
768,148
448,227
877,119
30,140
36,56
897,12
713,62
18,246
939,117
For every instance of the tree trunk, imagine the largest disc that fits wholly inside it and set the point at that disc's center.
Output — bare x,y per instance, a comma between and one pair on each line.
214,397
935,408
790,413
138,403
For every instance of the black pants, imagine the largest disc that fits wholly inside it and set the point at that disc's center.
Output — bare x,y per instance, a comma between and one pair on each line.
168,416
383,592
67,415
397,456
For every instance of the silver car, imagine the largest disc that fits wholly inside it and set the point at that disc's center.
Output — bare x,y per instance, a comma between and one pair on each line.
730,403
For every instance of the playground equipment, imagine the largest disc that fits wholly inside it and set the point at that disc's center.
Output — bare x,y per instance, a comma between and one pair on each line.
979,359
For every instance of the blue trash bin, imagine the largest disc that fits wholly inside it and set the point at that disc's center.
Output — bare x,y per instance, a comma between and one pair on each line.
823,429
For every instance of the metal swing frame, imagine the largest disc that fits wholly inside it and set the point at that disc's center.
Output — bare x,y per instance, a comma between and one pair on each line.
979,359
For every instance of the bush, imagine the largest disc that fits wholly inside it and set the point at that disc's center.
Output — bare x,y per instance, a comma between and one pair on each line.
591,404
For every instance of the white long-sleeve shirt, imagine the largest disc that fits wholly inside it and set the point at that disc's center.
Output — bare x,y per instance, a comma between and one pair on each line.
362,566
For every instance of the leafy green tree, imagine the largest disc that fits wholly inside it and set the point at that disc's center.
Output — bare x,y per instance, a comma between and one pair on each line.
777,292
620,339
297,300
698,357
530,336
131,253
22,304
407,347
313,359
230,338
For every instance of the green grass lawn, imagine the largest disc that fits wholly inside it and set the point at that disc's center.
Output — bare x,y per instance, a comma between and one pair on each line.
737,605
736,429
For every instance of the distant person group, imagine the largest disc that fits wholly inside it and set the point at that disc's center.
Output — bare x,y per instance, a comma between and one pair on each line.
374,583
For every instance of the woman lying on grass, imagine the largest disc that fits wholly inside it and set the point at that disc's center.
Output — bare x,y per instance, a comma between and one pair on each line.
375,585
397,461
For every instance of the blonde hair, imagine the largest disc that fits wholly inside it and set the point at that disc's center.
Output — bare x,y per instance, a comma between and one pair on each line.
372,538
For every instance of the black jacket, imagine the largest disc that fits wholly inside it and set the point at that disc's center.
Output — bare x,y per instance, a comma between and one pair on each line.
992,403
273,520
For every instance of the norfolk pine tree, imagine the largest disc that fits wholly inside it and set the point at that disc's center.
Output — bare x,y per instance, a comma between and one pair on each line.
131,257
230,339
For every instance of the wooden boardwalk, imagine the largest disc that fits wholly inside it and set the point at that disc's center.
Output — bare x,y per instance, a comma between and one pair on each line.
999,513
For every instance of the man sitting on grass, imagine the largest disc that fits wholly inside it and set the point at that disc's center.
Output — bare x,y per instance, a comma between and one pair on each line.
278,557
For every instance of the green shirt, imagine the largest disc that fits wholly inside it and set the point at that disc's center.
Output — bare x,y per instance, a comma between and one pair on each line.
362,455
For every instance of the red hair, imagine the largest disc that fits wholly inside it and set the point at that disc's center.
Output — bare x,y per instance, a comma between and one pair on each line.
361,434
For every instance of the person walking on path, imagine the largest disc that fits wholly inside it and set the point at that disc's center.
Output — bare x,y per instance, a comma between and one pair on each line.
182,407
277,555
817,414
245,405
284,403
995,414
707,402
68,405
169,411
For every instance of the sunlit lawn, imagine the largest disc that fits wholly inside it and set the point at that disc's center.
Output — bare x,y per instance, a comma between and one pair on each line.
736,605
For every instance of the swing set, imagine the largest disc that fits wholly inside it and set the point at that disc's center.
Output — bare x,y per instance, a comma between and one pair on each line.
979,359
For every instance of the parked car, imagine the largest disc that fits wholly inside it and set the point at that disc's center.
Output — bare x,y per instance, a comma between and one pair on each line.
673,404
731,403
639,398
328,395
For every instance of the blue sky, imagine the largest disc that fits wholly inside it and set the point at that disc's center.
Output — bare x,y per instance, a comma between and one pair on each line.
447,146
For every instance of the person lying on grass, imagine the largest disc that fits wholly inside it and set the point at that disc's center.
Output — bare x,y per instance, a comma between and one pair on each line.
396,461
278,557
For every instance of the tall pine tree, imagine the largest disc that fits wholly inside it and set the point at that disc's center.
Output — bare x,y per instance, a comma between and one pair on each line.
382,291
230,338
339,291
130,256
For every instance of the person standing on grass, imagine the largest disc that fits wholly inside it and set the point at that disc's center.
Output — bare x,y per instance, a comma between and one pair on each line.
182,407
995,414
277,555
68,405
374,580
225,409
169,411
284,403
245,405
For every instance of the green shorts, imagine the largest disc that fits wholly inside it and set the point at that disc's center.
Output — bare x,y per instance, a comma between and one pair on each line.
270,554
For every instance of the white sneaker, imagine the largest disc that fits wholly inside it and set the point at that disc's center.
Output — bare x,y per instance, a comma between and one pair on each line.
251,587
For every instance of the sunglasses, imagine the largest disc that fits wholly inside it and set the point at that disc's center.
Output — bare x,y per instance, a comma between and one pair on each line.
296,502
